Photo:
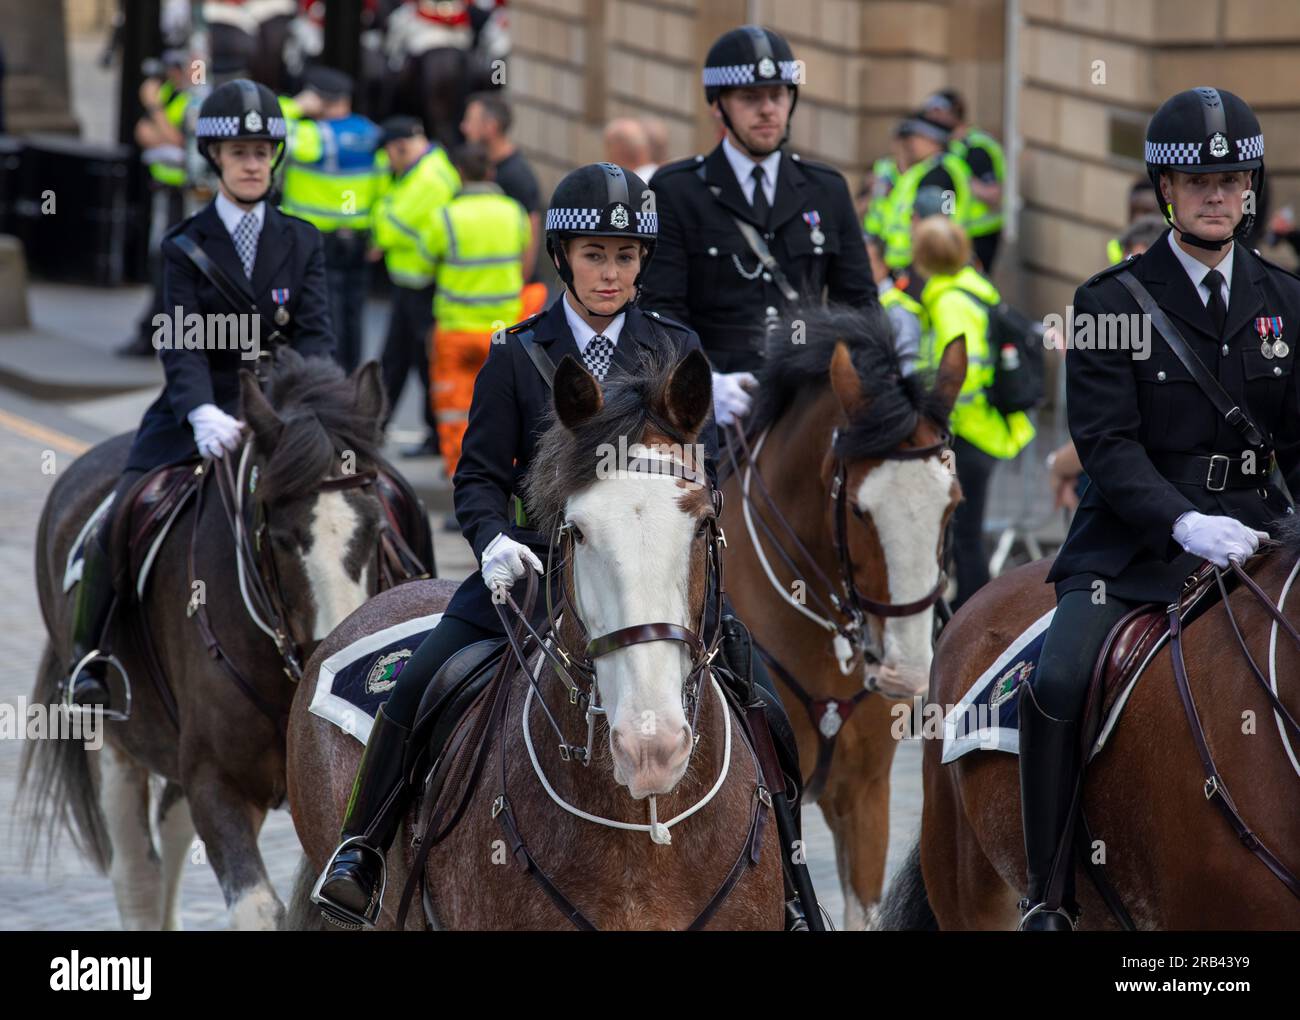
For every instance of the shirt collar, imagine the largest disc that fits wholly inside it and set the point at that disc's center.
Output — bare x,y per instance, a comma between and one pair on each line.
743,166
231,214
583,333
1196,270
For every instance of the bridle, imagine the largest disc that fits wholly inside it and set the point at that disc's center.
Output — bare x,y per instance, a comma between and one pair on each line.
851,635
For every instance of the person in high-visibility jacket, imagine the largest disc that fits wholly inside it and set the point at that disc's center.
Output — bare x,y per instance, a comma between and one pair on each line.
332,180
423,181
982,153
906,315
957,298
884,175
477,241
930,165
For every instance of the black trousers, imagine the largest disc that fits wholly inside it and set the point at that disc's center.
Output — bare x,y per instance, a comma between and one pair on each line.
974,468
1070,649
410,323
347,274
986,249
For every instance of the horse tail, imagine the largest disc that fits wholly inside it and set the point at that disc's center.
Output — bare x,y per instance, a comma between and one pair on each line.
906,906
303,914
56,790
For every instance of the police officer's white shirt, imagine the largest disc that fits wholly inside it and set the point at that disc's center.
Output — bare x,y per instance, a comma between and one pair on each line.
231,214
583,333
744,169
1197,271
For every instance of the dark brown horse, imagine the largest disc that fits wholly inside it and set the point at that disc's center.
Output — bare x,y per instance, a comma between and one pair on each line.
220,747
638,547
1170,854
845,504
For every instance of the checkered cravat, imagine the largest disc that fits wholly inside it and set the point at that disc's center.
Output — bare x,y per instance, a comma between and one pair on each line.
597,356
246,231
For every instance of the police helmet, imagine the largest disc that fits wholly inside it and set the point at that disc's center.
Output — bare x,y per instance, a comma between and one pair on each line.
240,110
750,55
1200,131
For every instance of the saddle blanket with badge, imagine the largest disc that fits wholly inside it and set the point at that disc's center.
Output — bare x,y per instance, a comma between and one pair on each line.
987,718
357,679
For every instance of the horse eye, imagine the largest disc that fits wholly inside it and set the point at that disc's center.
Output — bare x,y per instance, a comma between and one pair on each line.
577,533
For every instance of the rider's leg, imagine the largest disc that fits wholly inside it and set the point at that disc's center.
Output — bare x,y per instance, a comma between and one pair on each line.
92,601
974,468
353,879
1050,712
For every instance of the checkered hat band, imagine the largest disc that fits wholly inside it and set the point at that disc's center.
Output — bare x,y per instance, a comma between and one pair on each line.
572,219
275,127
647,223
1250,148
229,127
1173,153
744,74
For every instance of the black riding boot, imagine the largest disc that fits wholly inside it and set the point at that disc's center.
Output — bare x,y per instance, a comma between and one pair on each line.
94,599
1047,778
351,888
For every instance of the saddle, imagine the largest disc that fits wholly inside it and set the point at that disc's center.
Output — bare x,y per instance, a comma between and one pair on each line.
151,506
446,701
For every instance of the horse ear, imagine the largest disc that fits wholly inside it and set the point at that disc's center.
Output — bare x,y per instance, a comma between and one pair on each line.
258,412
577,394
845,381
689,396
372,402
951,375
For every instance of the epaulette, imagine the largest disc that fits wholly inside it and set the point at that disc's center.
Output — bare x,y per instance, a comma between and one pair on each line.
663,320
1273,265
526,323
813,164
181,227
689,163
1111,270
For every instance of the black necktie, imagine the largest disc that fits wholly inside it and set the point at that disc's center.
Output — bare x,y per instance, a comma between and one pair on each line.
760,196
1218,312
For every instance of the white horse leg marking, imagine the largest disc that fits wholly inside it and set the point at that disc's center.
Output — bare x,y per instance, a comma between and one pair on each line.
176,832
134,870
855,915
906,500
334,593
257,908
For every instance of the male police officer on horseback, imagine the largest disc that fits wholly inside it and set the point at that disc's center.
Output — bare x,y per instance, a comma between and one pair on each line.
1177,439
751,227
238,256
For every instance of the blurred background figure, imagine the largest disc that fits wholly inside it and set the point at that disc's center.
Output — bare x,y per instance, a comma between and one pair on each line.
923,143
906,315
983,156
656,132
487,123
628,146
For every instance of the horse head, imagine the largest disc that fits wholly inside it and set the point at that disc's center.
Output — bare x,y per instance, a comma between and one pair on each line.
620,475
312,514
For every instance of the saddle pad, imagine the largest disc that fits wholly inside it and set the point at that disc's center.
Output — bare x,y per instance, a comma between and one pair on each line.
357,679
76,555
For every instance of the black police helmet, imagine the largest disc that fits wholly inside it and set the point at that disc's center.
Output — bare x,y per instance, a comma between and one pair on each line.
749,55
240,110
600,200
1205,130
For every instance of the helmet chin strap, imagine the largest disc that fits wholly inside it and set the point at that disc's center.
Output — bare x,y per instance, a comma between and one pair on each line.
1204,244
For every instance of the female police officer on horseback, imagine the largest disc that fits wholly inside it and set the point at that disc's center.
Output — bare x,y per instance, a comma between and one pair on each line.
238,255
600,239
1176,439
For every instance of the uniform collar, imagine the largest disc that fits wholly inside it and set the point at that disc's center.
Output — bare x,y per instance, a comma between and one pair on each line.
1196,271
743,166
231,214
582,333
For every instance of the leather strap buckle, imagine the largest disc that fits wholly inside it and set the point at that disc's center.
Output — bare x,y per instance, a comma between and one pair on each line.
1210,475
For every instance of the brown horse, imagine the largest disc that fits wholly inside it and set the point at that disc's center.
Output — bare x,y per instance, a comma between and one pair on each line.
1168,852
839,434
663,745
220,747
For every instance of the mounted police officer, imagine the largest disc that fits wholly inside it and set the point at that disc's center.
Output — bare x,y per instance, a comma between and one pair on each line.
751,226
1178,456
239,255
599,240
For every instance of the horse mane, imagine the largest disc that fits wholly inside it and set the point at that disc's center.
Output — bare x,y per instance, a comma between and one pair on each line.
565,461
896,403
1284,534
317,402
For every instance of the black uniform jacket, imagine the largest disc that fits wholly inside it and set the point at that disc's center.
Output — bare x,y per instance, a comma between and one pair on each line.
705,274
289,262
1128,415
510,411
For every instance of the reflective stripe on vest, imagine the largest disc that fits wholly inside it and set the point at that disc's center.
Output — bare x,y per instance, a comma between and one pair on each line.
983,219
480,276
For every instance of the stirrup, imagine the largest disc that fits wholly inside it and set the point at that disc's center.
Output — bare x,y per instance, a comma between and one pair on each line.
108,712
339,915
1028,911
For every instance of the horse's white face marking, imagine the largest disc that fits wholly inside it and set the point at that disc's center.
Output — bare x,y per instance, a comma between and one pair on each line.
633,567
907,500
335,594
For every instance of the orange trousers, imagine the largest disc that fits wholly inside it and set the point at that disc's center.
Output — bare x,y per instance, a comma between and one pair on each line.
454,363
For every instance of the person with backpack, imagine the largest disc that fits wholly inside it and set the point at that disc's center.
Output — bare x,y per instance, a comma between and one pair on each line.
958,301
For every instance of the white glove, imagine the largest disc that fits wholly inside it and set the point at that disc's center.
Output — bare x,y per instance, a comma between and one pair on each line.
215,432
1215,538
505,561
732,397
